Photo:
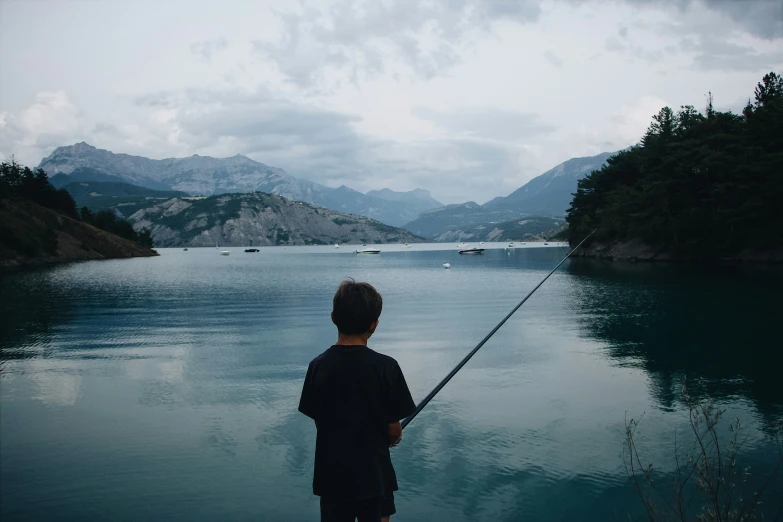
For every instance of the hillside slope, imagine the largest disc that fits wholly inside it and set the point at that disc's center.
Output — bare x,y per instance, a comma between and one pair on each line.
32,235
258,219
124,198
550,193
518,229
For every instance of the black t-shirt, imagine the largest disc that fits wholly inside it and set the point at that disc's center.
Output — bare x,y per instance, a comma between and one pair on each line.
353,393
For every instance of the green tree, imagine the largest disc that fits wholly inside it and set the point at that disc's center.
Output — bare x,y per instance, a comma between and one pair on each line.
696,185
145,238
18,181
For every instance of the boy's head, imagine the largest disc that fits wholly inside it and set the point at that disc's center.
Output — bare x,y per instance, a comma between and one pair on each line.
356,308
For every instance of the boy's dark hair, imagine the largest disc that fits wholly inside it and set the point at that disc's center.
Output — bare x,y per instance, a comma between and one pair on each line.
355,307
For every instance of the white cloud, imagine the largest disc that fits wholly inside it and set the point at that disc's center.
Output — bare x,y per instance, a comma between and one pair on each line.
57,388
367,37
467,98
51,120
204,50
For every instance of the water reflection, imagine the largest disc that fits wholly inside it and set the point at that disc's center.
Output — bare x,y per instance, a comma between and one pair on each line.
176,379
714,326
33,307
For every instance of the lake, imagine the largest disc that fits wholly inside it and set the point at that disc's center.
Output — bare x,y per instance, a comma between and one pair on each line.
167,388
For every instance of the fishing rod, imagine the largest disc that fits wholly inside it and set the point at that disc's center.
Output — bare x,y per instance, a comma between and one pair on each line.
464,361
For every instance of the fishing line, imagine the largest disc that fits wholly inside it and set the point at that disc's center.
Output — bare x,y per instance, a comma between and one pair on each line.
462,363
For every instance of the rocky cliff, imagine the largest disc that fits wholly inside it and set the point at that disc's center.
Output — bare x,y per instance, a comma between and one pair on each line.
258,219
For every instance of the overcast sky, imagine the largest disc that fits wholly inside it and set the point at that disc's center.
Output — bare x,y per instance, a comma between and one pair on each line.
465,98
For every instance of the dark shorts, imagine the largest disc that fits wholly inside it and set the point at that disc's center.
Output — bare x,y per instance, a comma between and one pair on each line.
365,510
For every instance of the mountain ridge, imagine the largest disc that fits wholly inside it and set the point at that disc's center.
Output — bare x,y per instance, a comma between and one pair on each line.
205,175
546,195
258,219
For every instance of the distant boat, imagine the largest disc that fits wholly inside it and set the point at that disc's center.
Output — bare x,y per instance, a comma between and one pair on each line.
252,250
407,245
546,244
368,251
184,249
446,265
511,245
336,245
224,253
472,251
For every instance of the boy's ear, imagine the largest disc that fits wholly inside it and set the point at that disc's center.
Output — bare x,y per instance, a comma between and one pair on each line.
374,326
332,315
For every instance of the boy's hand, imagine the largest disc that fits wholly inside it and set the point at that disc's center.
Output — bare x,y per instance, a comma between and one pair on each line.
395,434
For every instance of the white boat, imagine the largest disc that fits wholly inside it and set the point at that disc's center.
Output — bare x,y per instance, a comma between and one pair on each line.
511,245
368,251
407,245
336,245
446,265
224,253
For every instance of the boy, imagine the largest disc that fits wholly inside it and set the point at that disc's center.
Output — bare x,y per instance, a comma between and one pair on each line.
356,397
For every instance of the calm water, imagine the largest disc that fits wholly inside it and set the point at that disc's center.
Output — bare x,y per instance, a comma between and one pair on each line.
167,388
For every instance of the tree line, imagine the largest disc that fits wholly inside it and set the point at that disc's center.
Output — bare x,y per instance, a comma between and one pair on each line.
697,185
17,181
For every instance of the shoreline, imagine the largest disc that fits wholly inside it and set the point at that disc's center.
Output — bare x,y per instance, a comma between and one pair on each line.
636,250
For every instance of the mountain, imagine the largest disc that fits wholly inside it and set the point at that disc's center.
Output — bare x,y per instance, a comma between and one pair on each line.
124,198
550,193
83,174
546,195
204,175
528,229
432,223
421,196
258,219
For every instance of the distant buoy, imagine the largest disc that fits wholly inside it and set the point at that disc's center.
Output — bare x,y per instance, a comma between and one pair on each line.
446,265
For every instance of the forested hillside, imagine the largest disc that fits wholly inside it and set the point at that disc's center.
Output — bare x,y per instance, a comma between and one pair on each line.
696,186
40,224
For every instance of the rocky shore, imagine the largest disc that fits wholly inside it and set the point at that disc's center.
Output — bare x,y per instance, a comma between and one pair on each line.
637,250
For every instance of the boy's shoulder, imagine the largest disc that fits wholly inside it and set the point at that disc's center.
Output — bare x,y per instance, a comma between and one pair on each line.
365,352
382,357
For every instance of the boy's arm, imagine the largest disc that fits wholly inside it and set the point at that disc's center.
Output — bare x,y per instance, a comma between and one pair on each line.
308,403
395,433
400,405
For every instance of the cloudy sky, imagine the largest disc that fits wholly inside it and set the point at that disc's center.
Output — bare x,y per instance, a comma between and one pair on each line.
468,99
